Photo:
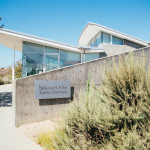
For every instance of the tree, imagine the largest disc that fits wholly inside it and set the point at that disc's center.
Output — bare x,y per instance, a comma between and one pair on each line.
18,70
1,26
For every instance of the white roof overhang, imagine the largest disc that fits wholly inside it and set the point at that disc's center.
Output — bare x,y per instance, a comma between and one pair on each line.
91,29
13,39
92,49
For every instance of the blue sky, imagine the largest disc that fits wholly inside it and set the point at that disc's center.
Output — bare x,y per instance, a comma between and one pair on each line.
64,20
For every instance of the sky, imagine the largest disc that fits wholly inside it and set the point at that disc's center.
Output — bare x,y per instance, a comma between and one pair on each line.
64,20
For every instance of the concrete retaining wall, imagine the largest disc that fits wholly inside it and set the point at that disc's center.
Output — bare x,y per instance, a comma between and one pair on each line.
28,109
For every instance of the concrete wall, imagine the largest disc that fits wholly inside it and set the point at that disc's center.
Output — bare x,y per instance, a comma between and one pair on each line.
116,49
28,109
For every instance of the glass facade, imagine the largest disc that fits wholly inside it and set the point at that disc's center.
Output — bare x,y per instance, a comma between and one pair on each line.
51,50
92,43
105,38
51,62
117,41
51,58
32,59
38,58
98,39
90,56
68,58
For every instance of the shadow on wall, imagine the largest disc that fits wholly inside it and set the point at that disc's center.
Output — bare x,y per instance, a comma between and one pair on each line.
6,99
43,102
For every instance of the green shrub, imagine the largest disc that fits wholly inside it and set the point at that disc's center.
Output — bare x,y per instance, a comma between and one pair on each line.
113,116
18,70
45,141
127,87
1,81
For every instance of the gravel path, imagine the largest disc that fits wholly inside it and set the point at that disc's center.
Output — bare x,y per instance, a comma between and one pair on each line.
10,137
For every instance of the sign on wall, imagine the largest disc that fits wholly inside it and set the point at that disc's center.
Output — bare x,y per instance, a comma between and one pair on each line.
52,89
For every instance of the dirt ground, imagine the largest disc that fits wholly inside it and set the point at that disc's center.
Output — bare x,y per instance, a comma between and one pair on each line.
34,130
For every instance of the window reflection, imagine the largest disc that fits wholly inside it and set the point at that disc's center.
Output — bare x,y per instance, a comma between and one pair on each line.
105,38
32,63
98,39
51,50
32,58
91,56
68,58
117,41
51,62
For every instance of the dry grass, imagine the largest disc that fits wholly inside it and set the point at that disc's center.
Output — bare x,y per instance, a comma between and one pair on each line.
5,76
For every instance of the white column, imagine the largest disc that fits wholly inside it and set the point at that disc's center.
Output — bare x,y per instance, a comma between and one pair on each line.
59,59
81,58
84,56
111,39
44,59
13,68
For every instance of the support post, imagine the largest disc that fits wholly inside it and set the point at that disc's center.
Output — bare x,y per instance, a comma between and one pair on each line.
59,59
13,68
84,55
44,63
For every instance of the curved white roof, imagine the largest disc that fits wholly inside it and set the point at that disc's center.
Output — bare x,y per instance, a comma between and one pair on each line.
13,39
91,29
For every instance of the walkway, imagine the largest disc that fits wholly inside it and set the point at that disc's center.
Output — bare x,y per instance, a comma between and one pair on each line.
10,137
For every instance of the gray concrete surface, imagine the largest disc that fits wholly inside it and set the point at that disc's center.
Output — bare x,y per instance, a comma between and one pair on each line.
28,109
111,50
10,137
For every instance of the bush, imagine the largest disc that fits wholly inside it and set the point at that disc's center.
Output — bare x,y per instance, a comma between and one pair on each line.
113,116
1,81
18,70
45,141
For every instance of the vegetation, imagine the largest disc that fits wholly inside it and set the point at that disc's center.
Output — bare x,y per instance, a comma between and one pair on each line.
18,70
6,73
1,81
5,76
114,116
45,141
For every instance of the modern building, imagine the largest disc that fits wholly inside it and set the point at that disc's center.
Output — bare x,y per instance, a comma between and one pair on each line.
41,55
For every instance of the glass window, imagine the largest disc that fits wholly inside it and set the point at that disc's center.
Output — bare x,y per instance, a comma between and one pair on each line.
105,38
32,58
117,41
98,39
51,50
32,63
91,56
69,58
51,62
132,44
92,43
32,48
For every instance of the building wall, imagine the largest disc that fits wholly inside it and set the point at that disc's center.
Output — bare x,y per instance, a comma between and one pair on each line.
111,50
28,109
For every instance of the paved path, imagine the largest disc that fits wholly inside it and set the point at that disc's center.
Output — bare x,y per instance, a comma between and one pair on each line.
10,137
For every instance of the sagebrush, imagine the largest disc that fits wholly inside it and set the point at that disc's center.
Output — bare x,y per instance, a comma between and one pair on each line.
114,115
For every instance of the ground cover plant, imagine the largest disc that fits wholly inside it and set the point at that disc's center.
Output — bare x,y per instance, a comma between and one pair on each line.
113,116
